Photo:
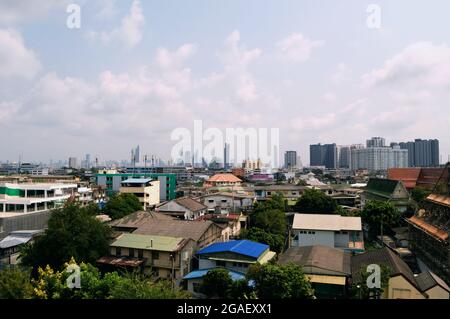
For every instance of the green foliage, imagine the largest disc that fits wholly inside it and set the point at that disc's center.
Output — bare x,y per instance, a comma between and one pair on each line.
275,241
419,194
280,282
121,205
277,202
72,232
272,221
315,202
15,284
301,182
216,283
376,213
359,288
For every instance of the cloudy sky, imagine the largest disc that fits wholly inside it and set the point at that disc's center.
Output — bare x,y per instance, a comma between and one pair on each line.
136,70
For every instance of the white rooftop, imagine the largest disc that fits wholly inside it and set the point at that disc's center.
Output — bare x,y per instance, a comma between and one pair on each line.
326,222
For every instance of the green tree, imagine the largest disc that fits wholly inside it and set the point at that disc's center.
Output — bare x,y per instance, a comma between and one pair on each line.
419,194
275,241
72,232
272,221
359,288
280,281
315,202
121,205
377,213
15,284
217,283
277,201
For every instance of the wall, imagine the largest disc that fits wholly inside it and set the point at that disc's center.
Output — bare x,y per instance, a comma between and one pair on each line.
437,292
400,288
325,238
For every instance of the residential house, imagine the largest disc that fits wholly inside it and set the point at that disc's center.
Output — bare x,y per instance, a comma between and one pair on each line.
328,269
10,245
184,208
387,190
227,202
236,255
223,180
402,283
164,257
146,189
329,230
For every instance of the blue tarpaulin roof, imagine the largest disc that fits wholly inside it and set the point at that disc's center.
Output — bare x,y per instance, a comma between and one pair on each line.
242,247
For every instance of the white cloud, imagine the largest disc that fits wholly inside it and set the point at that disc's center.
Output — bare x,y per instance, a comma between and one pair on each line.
20,11
329,97
419,65
167,59
297,48
341,74
16,60
129,33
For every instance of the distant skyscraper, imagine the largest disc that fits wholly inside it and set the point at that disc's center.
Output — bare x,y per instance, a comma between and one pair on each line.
344,156
376,142
422,153
226,156
379,158
323,155
290,159
88,161
135,155
72,162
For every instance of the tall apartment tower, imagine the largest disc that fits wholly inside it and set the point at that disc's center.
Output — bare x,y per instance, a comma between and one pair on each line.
323,155
422,153
290,159
376,142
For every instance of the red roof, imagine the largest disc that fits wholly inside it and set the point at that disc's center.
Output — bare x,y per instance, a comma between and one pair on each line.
408,176
226,177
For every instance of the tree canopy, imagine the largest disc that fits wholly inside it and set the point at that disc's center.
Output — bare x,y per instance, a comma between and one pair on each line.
315,202
376,213
121,205
73,231
273,281
275,241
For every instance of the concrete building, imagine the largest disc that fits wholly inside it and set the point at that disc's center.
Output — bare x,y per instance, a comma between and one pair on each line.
27,206
378,158
73,162
290,160
165,257
329,230
111,182
251,165
223,180
422,153
323,155
146,189
376,142
184,208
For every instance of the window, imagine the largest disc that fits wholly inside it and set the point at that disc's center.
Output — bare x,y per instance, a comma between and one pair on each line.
196,287
210,200
155,254
221,263
131,252
140,253
224,200
118,251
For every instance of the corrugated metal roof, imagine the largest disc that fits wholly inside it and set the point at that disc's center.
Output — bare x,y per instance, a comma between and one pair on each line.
326,222
242,247
160,243
137,180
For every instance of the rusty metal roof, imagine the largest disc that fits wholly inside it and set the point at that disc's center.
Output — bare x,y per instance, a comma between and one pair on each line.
432,230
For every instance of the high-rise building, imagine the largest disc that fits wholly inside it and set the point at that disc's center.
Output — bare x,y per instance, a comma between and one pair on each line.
72,162
379,158
323,155
135,155
87,161
226,156
344,156
376,142
422,153
290,159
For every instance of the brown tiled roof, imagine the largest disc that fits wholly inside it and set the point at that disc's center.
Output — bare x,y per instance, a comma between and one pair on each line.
190,204
227,177
382,256
318,257
408,176
174,228
432,230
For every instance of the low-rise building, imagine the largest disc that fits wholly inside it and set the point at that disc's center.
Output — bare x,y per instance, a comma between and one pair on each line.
10,245
146,189
164,257
223,202
28,205
223,180
184,208
329,230
236,255
387,190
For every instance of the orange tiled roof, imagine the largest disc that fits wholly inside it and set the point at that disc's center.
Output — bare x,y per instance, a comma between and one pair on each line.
439,199
429,228
408,176
228,178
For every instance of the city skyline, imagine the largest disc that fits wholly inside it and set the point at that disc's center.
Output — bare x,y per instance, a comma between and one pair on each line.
129,76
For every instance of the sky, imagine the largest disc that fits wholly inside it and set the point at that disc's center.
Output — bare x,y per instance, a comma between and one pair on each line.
136,70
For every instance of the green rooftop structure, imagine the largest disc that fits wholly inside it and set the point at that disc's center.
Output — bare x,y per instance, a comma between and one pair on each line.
387,190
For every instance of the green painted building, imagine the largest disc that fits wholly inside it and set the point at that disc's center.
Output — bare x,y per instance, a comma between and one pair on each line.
112,182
